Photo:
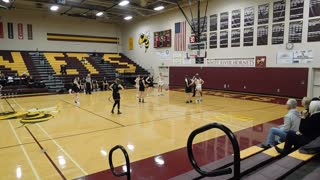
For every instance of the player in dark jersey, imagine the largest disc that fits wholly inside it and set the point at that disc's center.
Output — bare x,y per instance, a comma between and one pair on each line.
188,88
142,86
115,87
76,90
149,82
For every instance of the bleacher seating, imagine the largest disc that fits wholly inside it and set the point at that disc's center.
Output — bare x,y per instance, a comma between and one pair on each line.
12,63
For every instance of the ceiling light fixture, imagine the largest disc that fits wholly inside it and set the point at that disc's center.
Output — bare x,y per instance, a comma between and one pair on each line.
124,3
99,14
159,8
54,8
127,18
6,1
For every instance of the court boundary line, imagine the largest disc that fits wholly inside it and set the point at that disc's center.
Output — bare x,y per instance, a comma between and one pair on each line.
65,152
94,113
25,152
237,92
9,104
43,150
46,154
58,145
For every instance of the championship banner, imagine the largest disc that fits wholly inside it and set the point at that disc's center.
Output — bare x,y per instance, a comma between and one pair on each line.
130,43
232,62
10,30
1,31
29,29
20,31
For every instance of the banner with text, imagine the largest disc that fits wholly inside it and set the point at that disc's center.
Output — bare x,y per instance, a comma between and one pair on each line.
232,62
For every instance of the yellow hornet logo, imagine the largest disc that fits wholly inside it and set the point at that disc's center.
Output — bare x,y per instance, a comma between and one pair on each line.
144,39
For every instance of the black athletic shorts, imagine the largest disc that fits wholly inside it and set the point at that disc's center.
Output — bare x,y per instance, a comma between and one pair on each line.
116,96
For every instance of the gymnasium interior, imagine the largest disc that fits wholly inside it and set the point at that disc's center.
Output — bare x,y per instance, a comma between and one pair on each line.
249,63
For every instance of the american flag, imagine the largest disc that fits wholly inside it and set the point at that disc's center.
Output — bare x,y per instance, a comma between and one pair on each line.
180,36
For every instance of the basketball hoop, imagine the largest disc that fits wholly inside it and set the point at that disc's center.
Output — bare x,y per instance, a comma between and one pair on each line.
195,50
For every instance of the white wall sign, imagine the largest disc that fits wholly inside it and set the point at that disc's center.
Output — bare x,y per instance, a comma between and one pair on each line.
302,56
232,62
177,58
295,57
285,57
164,54
187,60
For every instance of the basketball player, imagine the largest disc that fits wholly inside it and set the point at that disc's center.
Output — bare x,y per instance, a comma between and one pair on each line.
115,87
76,90
194,85
198,82
88,84
137,85
189,84
149,82
160,84
142,86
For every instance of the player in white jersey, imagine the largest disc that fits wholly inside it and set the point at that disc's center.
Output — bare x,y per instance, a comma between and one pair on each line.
137,85
160,84
198,82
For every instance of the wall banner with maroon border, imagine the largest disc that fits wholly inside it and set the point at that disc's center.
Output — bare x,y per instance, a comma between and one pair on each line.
10,30
29,29
1,31
261,61
20,31
249,62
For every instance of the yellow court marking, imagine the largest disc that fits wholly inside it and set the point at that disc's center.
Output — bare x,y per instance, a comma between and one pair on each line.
250,151
13,115
300,156
272,151
226,117
35,116
45,118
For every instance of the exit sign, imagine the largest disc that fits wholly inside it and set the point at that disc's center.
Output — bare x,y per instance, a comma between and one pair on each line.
61,1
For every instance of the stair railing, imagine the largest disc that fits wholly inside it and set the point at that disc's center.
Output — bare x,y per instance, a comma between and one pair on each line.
217,172
128,172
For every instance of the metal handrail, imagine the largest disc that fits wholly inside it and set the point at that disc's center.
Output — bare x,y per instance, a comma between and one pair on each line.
128,173
217,172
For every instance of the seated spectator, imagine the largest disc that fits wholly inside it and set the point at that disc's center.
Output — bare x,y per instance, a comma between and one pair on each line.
63,69
308,131
105,84
291,123
24,78
83,84
305,103
31,82
3,79
84,61
10,80
95,85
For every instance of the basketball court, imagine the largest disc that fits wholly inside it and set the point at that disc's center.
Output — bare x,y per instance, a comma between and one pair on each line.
78,139
63,63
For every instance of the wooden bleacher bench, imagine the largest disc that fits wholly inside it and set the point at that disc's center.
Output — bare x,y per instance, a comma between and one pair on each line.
281,168
251,159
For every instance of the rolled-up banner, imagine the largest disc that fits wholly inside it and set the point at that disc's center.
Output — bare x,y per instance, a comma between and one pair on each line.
20,31
29,29
1,31
10,30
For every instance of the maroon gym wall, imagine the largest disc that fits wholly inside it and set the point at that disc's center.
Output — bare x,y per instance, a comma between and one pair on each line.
292,82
